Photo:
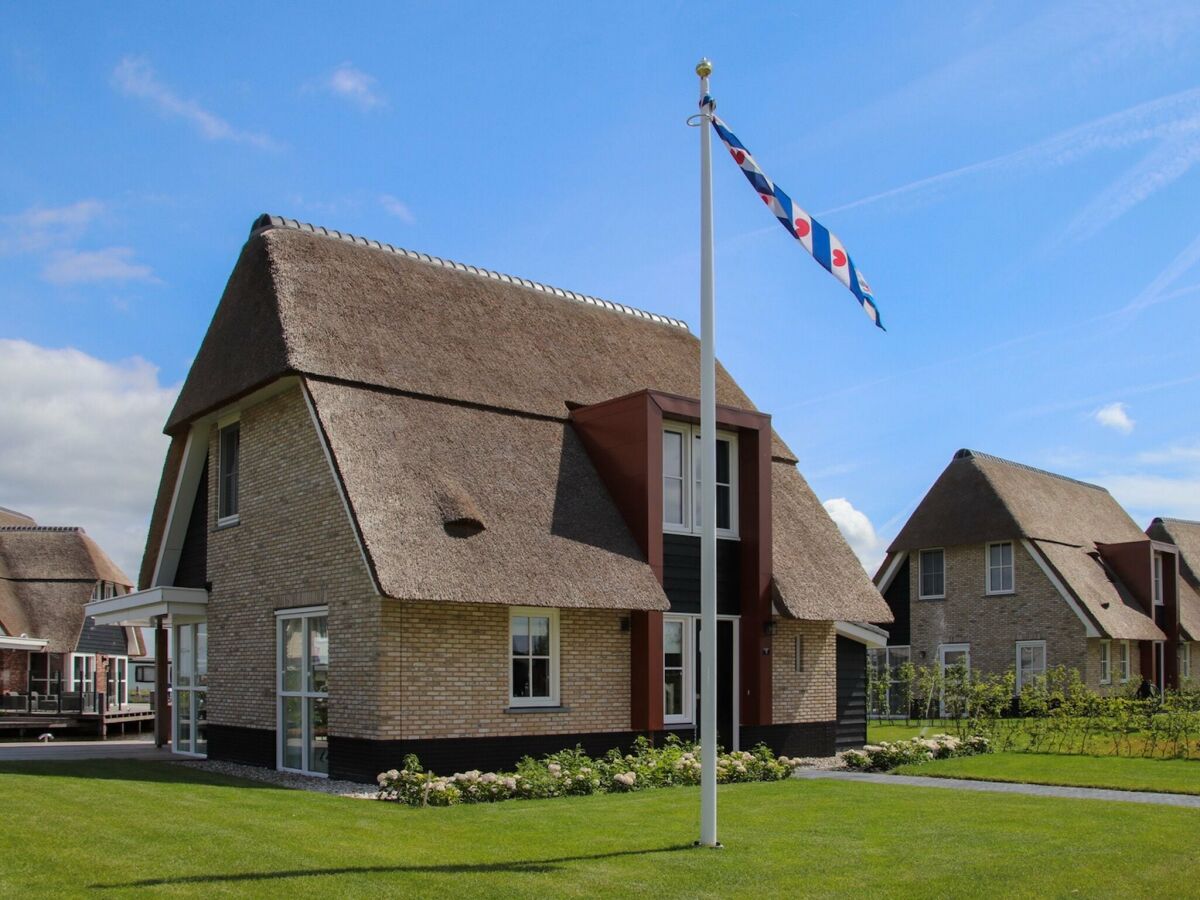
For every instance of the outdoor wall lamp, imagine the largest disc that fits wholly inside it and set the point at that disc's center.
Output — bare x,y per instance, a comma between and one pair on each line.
769,627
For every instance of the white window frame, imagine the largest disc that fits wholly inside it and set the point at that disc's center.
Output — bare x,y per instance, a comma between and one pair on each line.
1185,660
554,700
989,568
1159,599
943,649
121,665
1021,645
691,434
192,688
1126,662
89,673
687,717
234,517
921,595
281,695
798,663
691,636
1106,662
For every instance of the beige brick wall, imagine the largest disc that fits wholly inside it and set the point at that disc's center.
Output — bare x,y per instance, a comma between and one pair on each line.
294,546
992,624
446,672
811,694
1092,675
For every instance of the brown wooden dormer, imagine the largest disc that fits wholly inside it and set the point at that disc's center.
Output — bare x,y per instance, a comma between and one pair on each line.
623,438
1150,569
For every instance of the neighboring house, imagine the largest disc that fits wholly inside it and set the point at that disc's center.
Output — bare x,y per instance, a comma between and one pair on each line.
1003,566
53,657
415,506
1185,536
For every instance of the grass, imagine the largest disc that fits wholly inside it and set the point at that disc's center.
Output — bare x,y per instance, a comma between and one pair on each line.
124,828
1175,776
1101,743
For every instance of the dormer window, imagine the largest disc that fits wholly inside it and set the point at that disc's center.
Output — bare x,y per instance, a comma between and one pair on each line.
681,480
1158,579
103,590
228,450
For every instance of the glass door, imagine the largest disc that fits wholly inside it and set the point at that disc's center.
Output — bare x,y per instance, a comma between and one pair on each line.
189,690
956,671
304,692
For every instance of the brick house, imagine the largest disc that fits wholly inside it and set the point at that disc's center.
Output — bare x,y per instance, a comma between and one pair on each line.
415,506
1004,566
53,657
1185,536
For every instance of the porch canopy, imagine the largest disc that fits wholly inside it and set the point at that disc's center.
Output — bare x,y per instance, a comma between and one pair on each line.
149,607
11,642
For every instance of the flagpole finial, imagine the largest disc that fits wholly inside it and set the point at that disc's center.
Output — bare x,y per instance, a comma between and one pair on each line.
704,67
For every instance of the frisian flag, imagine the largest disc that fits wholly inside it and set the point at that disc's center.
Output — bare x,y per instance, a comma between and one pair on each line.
818,240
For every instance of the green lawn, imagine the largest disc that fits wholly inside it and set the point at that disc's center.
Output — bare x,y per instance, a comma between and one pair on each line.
1100,743
125,827
1176,776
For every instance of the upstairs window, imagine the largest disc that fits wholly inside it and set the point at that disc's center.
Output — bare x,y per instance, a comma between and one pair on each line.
681,493
932,576
1000,568
228,452
1158,579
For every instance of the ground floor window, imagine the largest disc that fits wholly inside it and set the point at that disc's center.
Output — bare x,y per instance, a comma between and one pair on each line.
116,685
303,685
955,663
1125,661
891,693
1185,661
678,671
1031,662
189,690
1106,662
45,674
83,673
533,656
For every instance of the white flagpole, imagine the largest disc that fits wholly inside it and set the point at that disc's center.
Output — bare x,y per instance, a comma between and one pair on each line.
708,488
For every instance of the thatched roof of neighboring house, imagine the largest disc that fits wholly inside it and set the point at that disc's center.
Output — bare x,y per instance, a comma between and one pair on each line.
12,517
980,498
47,574
1185,535
444,391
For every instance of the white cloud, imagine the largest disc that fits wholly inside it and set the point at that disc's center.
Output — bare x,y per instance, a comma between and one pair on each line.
83,442
858,531
135,77
1147,495
396,207
87,266
356,86
1115,416
40,227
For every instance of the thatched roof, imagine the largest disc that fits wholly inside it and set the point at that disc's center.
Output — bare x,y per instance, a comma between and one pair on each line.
1185,535
47,574
497,504
444,392
816,575
12,517
980,498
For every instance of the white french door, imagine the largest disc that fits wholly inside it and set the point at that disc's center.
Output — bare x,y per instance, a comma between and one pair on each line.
189,689
951,656
303,686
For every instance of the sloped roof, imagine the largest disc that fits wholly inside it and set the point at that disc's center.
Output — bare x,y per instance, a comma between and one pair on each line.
546,517
980,498
1185,535
816,574
395,346
12,517
47,574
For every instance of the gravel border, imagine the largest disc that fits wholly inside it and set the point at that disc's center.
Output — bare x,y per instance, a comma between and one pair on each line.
353,789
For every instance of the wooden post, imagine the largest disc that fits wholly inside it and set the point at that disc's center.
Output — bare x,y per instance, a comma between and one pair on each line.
162,725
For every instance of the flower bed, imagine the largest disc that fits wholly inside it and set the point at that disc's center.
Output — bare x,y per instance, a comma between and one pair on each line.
888,755
573,772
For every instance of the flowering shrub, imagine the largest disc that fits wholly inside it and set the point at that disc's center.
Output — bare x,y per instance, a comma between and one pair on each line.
573,772
890,754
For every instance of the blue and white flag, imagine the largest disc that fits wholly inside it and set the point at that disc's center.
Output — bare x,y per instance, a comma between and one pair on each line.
818,240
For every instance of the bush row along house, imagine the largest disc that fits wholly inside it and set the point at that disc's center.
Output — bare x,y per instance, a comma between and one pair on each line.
53,657
415,506
1004,566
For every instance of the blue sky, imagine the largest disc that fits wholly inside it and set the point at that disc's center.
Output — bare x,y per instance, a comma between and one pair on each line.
1017,180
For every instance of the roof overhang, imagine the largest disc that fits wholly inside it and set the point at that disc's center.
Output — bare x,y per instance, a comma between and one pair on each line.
176,604
11,642
862,633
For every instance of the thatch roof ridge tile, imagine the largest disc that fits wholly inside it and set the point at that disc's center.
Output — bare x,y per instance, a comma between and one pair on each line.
967,453
266,221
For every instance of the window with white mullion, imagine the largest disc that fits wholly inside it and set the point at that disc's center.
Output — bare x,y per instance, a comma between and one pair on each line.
228,463
681,490
1125,661
931,574
533,657
304,692
678,694
1106,662
1031,662
1158,579
1000,568
189,690
674,480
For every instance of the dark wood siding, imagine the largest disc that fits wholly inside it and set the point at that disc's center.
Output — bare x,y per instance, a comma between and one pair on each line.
681,574
192,571
898,598
851,694
107,640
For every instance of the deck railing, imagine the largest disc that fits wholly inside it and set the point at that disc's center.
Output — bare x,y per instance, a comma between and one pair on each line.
33,703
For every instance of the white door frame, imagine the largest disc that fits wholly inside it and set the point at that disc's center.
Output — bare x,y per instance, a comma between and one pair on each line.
943,649
691,671
304,694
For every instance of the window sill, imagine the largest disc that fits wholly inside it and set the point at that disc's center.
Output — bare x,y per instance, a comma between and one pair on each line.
938,597
687,532
522,710
999,593
679,726
228,522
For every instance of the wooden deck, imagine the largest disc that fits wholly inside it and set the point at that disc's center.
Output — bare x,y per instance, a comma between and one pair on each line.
132,717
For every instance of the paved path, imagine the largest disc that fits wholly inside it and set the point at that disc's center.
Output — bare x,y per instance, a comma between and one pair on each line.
71,750
1004,787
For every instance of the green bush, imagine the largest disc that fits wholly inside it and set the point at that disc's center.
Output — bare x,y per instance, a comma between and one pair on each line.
887,755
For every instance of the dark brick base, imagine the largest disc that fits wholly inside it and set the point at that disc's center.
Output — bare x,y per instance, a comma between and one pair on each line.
800,739
250,746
